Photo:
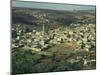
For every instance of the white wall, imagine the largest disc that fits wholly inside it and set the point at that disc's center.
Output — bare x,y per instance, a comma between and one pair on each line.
5,37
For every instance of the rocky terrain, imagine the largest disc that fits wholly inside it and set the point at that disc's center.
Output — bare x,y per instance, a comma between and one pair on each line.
56,48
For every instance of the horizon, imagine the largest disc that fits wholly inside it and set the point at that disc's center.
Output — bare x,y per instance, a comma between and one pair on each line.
51,6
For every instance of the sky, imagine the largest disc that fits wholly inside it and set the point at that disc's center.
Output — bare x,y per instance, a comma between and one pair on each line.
53,6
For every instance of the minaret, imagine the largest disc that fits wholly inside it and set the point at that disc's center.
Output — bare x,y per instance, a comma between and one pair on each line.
43,19
43,31
43,36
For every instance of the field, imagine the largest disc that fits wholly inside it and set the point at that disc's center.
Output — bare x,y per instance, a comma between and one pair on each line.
46,40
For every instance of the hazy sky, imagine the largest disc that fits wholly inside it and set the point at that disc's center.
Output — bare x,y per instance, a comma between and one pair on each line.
53,6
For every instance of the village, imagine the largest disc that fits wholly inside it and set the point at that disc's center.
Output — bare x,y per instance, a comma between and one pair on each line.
80,39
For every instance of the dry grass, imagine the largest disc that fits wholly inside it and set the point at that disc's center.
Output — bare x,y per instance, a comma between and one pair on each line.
71,45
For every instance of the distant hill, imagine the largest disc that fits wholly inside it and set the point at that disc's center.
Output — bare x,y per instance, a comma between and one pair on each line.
56,18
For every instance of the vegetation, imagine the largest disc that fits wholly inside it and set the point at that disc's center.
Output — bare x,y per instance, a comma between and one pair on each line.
66,44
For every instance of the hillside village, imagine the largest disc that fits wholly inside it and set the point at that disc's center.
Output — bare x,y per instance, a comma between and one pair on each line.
72,46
